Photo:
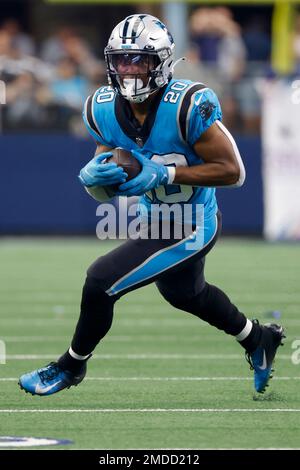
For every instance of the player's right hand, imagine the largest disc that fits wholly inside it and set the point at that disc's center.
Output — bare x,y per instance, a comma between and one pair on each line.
99,173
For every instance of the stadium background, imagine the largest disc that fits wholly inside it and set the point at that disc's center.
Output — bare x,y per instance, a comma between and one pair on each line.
50,59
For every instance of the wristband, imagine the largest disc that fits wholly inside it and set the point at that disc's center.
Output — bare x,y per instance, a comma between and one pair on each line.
171,174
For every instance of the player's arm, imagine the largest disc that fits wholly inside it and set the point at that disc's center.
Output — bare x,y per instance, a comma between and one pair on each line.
222,164
102,149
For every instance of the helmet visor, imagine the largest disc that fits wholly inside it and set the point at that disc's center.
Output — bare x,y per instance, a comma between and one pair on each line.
131,63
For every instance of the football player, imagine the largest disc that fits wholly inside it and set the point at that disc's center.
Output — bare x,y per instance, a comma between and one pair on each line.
174,129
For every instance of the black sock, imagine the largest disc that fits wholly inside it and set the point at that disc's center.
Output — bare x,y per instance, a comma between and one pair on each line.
251,342
67,362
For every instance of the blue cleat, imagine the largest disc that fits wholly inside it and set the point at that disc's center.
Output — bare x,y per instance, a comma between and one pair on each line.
261,360
50,379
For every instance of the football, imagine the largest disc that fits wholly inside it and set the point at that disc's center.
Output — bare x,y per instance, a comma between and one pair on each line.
126,160
122,158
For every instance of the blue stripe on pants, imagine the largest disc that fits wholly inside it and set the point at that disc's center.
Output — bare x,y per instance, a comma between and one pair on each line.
168,257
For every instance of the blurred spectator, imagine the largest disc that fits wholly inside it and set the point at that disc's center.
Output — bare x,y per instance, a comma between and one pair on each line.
78,50
48,92
66,43
13,62
23,112
47,95
22,42
65,95
257,40
69,88
197,72
53,48
217,39
246,92
219,46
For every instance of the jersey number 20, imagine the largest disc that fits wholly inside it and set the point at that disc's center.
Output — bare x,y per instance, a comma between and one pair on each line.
173,192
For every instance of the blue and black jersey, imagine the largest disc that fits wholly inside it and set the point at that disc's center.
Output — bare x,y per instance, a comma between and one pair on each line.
178,115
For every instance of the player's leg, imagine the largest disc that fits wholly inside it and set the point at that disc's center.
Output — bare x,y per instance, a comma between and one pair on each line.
126,268
187,290
131,265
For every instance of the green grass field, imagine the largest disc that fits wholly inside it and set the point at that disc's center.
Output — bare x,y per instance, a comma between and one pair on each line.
161,379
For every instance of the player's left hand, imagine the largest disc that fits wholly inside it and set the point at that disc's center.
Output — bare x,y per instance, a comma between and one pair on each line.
152,175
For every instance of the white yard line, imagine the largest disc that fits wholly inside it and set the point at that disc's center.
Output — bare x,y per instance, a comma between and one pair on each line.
156,410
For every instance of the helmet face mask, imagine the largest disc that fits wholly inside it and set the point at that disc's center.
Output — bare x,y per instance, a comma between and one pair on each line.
139,57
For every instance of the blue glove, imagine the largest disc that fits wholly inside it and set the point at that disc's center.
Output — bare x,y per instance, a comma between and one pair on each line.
99,173
152,175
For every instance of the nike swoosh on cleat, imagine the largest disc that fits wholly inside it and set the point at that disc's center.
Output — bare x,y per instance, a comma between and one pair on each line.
264,363
39,390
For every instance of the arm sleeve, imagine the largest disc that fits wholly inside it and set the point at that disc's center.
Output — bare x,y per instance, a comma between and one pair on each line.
205,110
91,123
